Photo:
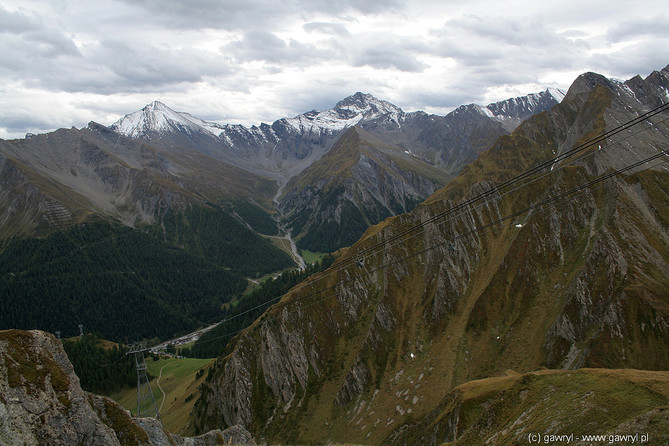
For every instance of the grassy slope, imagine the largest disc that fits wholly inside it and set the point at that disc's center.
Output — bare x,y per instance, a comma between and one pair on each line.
505,410
178,381
311,257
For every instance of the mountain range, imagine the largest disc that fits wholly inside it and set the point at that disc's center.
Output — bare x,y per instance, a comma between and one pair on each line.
229,195
549,251
289,145
515,285
421,153
156,160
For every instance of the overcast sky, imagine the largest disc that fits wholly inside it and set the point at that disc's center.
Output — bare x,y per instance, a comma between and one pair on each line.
64,63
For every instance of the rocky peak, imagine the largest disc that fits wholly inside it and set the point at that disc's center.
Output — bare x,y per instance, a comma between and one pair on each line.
511,112
524,106
586,82
365,104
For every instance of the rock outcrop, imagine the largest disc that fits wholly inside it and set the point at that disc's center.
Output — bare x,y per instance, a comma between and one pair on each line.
41,402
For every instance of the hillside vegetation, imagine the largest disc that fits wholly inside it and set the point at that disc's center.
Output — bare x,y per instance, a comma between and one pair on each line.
114,280
245,311
583,407
176,387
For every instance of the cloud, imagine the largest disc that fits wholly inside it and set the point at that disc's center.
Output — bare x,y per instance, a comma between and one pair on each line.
387,59
28,33
654,27
259,60
252,14
366,7
632,59
387,52
137,66
45,59
266,46
491,52
16,22
336,29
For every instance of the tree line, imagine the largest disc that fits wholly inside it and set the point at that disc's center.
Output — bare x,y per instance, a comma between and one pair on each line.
249,308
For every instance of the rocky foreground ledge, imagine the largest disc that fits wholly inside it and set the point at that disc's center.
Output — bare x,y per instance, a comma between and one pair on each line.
42,402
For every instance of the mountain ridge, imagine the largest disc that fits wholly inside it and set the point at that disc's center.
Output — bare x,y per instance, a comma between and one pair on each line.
284,148
357,183
377,341
157,117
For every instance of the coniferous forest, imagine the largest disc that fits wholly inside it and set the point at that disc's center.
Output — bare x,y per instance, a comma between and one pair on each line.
100,370
116,281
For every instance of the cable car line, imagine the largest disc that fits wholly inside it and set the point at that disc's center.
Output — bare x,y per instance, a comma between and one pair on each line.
546,164
539,206
359,258
537,178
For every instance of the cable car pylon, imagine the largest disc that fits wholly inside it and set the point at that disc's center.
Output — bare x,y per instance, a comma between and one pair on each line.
144,392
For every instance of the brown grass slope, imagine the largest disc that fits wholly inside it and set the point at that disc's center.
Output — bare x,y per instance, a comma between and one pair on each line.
546,406
358,352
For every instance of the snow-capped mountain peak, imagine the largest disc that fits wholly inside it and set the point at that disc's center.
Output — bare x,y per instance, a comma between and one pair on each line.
157,117
346,113
367,105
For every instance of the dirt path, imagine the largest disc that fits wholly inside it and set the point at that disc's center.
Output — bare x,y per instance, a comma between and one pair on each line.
161,389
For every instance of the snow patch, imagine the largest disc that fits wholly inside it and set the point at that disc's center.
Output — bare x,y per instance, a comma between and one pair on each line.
557,94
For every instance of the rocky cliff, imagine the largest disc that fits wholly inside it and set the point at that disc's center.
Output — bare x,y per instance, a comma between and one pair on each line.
41,403
358,183
546,273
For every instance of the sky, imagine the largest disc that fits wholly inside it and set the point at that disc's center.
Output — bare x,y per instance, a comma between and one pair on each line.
64,63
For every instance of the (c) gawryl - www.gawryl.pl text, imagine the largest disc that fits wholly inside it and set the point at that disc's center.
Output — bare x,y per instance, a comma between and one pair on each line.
538,438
